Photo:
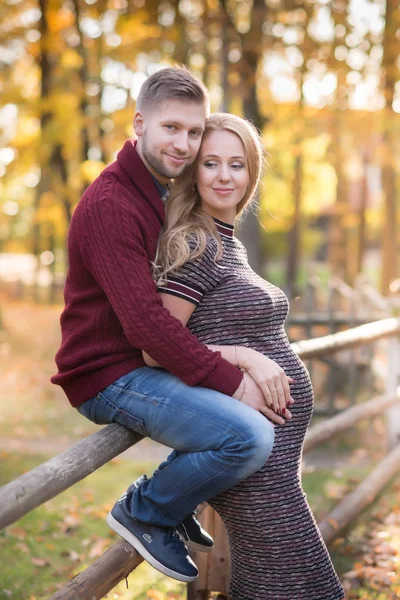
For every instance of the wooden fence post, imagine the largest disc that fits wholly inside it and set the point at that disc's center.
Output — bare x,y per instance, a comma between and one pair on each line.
214,567
392,386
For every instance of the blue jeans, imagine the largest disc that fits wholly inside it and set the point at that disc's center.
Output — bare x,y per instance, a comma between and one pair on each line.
218,441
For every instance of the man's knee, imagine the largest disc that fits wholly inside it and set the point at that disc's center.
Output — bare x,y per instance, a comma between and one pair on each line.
252,443
260,444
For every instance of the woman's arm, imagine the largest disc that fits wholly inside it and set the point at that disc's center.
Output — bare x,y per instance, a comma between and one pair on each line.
268,375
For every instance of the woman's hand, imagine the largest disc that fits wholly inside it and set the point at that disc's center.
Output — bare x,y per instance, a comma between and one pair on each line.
269,376
249,393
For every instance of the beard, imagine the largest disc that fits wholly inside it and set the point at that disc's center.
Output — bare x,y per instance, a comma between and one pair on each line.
158,164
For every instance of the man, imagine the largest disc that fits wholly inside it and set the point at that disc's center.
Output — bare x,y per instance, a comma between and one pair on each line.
112,312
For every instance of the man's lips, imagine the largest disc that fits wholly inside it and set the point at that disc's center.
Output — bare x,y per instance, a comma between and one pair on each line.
178,160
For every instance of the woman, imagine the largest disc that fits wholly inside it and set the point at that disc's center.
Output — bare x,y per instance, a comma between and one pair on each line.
205,281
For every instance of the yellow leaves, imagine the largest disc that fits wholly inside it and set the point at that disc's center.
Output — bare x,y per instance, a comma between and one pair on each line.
70,59
333,523
134,29
18,532
28,131
60,19
90,169
155,595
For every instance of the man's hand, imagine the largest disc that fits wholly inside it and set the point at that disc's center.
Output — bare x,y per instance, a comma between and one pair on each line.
250,393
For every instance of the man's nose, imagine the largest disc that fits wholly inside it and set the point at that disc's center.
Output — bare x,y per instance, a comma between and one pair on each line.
181,142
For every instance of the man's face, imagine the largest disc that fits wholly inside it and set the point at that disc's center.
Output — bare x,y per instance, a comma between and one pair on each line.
169,136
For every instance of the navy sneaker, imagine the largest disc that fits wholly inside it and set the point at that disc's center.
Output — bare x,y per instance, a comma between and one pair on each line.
162,547
194,536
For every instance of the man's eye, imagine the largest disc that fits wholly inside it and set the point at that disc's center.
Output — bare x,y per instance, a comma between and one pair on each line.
195,134
169,127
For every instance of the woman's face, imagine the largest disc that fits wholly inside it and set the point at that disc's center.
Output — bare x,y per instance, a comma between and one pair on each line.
222,175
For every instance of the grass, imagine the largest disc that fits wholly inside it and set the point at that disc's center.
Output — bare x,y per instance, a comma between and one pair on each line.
57,540
62,537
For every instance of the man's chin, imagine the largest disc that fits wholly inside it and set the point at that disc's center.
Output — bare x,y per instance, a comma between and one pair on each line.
173,173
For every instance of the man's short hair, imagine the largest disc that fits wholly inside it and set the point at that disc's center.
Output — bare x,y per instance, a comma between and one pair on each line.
172,83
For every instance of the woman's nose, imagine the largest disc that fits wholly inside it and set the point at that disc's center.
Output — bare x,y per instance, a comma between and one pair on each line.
224,174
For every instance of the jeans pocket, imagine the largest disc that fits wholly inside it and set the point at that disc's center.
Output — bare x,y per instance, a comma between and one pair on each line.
131,422
102,411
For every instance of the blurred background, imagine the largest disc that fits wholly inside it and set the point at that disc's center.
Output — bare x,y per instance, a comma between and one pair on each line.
321,80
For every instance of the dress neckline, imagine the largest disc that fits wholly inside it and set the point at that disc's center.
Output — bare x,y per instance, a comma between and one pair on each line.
225,229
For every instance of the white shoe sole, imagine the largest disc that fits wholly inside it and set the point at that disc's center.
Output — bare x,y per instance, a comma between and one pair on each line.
197,547
136,543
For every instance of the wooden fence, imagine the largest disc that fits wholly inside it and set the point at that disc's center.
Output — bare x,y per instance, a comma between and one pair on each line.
323,308
59,473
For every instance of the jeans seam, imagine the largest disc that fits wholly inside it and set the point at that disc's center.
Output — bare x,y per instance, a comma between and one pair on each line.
180,410
120,410
128,392
215,425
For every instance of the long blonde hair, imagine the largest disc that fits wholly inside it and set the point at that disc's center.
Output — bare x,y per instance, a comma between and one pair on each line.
185,219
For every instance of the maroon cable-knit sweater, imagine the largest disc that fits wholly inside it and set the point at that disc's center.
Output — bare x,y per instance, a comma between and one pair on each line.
112,309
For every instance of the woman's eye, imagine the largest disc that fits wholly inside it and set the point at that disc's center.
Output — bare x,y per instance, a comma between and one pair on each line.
210,164
238,166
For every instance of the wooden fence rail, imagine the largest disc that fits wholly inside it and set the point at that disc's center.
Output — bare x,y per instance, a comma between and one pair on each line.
51,478
57,474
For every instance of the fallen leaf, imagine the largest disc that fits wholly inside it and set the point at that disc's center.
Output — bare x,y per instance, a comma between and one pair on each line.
98,548
40,562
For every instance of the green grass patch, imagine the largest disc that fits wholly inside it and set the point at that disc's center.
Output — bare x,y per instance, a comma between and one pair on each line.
54,542
59,539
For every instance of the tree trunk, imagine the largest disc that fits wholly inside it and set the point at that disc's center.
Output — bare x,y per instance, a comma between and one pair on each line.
391,49
252,53
337,234
361,245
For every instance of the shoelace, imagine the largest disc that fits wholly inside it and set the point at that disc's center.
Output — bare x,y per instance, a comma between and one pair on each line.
173,539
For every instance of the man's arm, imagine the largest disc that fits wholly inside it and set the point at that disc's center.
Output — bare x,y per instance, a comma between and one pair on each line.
249,392
113,252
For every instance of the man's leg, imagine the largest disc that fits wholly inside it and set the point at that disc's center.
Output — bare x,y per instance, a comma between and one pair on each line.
218,441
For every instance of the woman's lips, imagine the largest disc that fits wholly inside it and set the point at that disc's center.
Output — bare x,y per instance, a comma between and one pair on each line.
223,191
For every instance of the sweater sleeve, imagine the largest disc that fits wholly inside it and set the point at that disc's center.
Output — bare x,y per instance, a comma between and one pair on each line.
196,277
113,252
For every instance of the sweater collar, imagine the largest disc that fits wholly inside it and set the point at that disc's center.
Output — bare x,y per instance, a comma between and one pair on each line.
130,161
225,229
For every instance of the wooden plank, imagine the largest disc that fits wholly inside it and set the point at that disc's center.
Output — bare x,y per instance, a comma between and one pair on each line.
219,567
198,590
329,344
103,575
57,474
339,318
352,505
392,383
346,419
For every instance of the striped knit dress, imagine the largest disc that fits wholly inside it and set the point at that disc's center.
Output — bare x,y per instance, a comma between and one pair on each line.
277,552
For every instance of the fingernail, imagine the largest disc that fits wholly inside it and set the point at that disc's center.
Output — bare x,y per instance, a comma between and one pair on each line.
283,410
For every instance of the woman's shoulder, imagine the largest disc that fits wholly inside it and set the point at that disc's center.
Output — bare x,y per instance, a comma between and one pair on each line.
196,240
